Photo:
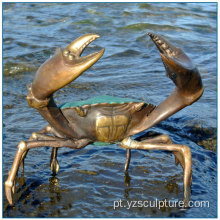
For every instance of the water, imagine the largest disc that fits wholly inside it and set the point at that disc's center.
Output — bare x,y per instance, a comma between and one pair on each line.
91,179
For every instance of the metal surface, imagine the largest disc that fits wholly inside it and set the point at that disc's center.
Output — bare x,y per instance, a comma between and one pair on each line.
107,122
111,128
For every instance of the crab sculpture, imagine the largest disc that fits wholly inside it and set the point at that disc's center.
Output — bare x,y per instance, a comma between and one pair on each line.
106,119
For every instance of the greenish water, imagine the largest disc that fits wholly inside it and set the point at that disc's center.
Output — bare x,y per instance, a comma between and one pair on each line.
92,179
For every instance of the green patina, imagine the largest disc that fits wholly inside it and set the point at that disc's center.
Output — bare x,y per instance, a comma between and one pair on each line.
98,100
98,143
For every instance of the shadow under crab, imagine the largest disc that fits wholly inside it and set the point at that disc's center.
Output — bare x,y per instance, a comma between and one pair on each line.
106,119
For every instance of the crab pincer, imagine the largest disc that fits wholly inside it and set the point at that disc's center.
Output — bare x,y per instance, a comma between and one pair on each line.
64,67
180,70
186,77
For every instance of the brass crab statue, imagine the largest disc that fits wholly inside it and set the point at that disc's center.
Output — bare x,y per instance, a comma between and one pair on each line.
106,119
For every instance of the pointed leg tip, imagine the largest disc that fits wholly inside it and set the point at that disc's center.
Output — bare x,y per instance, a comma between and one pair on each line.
8,193
186,203
187,195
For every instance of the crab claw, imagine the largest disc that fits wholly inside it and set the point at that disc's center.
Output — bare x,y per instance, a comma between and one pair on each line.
180,69
64,67
185,76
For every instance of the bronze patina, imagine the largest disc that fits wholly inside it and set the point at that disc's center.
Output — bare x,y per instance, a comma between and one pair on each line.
106,119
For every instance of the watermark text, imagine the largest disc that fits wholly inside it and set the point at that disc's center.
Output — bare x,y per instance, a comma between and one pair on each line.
158,204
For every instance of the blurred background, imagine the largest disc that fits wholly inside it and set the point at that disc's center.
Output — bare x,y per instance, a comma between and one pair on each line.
91,179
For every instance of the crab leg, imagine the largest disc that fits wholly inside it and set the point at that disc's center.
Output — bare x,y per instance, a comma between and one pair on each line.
54,165
25,146
43,131
61,69
182,155
128,159
185,76
164,139
160,138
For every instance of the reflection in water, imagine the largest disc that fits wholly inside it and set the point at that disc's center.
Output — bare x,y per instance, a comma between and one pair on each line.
54,190
127,179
